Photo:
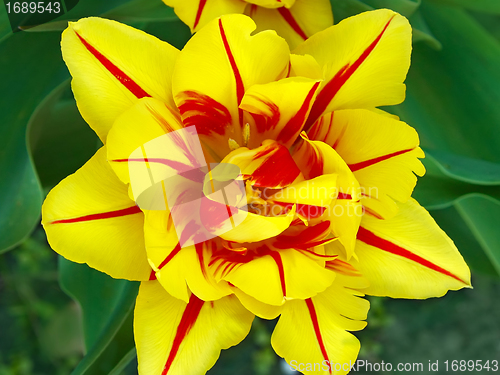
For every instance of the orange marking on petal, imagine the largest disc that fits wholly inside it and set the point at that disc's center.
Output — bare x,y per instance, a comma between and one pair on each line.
287,15
100,216
372,239
123,78
363,164
319,338
333,87
187,322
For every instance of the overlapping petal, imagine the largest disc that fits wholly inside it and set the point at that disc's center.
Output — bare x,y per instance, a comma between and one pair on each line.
89,218
180,269
368,65
177,338
113,65
321,339
294,23
208,92
409,256
197,13
382,152
278,110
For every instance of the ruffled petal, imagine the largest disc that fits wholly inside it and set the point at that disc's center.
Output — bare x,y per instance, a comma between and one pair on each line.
113,65
312,335
278,110
381,151
208,92
177,338
89,218
180,269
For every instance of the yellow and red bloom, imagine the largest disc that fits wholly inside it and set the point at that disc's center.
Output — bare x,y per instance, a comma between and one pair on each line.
294,20
314,152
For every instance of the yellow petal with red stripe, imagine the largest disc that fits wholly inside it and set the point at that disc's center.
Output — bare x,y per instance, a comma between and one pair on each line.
312,335
146,120
316,158
368,65
278,110
381,151
272,3
197,13
89,218
209,91
274,276
409,256
295,23
178,338
113,65
178,269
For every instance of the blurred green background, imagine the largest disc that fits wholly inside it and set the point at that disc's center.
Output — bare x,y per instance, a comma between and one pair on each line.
57,317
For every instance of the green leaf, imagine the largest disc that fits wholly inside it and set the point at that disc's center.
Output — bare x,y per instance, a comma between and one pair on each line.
59,139
142,10
421,31
5,28
107,306
30,68
453,94
489,6
347,8
481,213
452,223
439,188
404,7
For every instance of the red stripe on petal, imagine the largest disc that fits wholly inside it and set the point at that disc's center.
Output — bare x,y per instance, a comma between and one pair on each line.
100,216
294,126
187,322
279,263
124,79
198,13
319,338
332,88
279,170
207,114
174,252
240,88
363,164
264,123
372,239
287,15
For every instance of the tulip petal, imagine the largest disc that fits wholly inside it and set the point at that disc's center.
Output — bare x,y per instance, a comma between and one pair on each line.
177,338
368,65
208,92
113,65
278,109
316,158
146,120
321,337
197,13
295,23
273,276
381,152
409,256
89,218
180,270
